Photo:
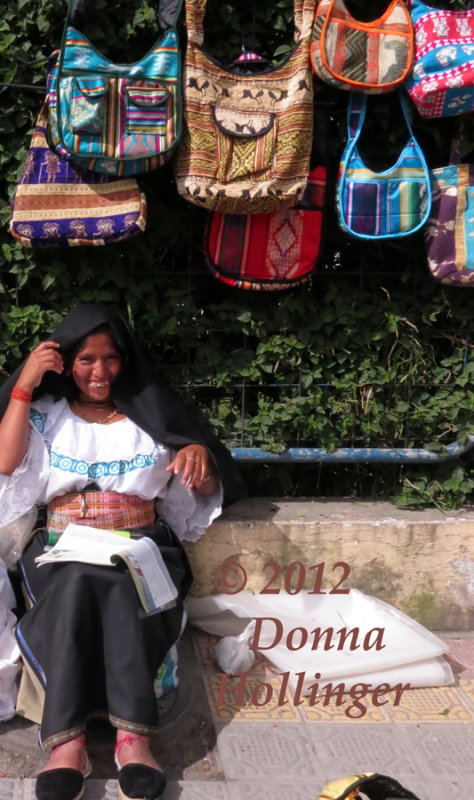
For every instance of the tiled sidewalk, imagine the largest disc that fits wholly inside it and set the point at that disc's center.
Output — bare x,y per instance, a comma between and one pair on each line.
227,751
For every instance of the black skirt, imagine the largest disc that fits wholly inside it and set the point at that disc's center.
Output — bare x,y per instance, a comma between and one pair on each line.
88,640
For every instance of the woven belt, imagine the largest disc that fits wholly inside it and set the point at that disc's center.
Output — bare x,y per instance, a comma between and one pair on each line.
109,510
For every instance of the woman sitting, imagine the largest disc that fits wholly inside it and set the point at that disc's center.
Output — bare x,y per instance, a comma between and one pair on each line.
90,433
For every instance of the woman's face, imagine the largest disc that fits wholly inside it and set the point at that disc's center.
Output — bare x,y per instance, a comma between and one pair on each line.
95,367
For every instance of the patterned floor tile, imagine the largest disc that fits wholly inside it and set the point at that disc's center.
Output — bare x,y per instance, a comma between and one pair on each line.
344,750
277,791
196,790
433,705
443,751
418,756
345,711
254,752
17,789
467,687
24,789
249,698
101,790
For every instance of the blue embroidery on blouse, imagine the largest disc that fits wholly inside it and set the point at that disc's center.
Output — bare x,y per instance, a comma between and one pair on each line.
37,419
100,469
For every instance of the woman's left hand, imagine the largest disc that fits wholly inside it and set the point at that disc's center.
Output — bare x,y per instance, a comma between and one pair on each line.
198,469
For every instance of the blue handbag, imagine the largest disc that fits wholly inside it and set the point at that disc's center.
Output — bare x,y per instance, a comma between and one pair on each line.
381,205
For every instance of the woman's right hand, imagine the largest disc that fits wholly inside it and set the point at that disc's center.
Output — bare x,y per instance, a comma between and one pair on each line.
44,358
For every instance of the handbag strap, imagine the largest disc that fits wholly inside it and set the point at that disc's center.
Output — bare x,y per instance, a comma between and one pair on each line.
196,9
80,11
456,142
357,109
379,23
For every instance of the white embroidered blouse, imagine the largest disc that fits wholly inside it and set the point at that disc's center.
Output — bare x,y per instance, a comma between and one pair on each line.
66,453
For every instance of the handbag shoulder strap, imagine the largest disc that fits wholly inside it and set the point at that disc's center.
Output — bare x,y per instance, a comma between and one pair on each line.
80,11
357,108
304,18
196,10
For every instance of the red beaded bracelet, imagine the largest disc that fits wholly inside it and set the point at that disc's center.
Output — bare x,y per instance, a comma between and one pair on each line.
21,395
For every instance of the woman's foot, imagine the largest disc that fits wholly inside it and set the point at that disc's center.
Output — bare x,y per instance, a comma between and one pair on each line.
62,778
70,755
134,749
140,775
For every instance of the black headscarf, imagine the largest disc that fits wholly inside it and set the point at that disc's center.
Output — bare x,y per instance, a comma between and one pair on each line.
137,391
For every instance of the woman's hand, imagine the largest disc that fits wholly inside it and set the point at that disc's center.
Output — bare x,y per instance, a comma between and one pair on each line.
44,358
197,467
15,425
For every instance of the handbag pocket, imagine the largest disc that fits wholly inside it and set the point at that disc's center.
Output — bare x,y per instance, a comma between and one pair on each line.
388,208
245,144
147,107
88,103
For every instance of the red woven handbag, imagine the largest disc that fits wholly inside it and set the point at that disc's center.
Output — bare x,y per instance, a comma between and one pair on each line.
268,251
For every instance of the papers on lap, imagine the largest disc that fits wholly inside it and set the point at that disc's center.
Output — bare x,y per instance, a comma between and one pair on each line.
155,588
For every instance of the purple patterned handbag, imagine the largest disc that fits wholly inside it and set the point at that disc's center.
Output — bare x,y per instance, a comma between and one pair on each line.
59,205
449,232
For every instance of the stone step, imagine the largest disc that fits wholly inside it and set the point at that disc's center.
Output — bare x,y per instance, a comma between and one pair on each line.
420,561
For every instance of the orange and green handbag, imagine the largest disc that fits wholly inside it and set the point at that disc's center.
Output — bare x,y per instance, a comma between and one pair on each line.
373,57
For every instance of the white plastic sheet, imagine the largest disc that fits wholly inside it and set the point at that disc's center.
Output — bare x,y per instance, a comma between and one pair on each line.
389,647
9,652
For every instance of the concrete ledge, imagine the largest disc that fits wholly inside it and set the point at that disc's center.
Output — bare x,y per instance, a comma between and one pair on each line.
419,561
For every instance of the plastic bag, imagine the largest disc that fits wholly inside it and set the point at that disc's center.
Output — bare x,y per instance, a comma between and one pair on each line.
9,651
378,643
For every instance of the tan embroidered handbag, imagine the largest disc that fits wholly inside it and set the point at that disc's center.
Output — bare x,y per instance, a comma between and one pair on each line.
247,141
372,57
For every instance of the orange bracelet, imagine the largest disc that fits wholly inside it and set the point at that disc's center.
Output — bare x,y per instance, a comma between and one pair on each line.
21,395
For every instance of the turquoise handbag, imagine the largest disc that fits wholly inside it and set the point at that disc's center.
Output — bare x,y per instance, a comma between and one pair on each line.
381,205
117,119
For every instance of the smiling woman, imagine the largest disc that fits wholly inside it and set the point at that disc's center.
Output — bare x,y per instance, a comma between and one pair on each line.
90,433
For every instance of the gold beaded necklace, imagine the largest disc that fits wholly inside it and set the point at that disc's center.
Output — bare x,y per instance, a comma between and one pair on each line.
106,419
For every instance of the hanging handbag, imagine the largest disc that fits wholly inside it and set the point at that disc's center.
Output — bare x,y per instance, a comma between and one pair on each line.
449,232
372,57
268,251
247,143
441,82
381,205
371,784
118,119
57,204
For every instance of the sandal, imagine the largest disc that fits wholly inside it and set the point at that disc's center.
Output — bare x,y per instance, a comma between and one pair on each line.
62,783
138,781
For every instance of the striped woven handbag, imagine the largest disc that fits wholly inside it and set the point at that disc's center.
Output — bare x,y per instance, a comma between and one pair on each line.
247,142
58,205
118,119
449,232
268,251
381,205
